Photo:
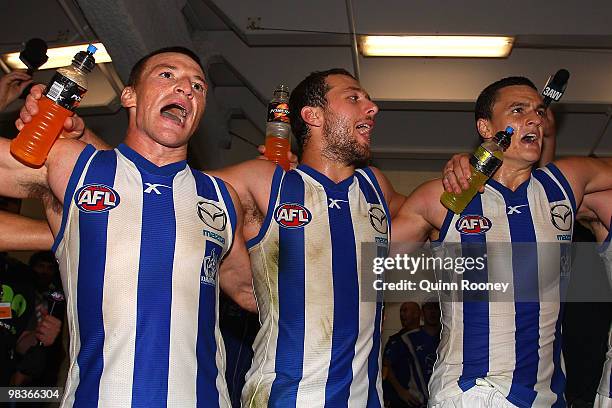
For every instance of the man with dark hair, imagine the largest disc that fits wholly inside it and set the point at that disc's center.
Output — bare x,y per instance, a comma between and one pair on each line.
140,237
304,230
501,353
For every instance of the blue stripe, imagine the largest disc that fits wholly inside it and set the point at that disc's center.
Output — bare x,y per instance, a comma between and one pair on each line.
445,226
552,189
373,368
291,302
527,311
475,308
70,189
90,286
276,181
207,394
158,236
346,302
566,185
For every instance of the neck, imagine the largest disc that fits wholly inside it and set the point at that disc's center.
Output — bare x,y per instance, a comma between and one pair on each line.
332,169
151,150
512,174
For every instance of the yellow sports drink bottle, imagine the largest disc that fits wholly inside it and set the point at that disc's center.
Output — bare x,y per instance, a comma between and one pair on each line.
484,162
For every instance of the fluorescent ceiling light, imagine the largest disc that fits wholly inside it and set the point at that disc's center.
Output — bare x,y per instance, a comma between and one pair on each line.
435,46
59,57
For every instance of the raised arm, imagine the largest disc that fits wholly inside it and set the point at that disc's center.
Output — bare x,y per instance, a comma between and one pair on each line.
235,276
586,174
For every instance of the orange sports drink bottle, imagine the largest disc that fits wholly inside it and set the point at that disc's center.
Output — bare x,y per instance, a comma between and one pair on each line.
61,98
278,128
484,162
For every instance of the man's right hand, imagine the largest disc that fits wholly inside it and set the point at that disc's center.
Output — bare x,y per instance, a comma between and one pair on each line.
456,173
73,126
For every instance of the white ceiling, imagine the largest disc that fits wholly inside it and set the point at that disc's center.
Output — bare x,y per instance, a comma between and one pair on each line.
426,103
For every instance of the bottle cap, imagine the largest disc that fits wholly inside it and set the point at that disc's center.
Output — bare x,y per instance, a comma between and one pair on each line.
84,60
503,137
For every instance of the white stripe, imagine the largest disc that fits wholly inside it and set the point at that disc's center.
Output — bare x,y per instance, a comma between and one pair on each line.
68,254
548,285
182,373
502,322
120,293
319,298
220,354
359,388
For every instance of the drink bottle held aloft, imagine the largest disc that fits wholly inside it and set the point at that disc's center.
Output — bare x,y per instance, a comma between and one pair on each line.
62,96
484,162
278,128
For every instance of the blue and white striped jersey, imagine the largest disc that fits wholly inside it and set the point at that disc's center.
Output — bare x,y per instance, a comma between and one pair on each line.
513,345
605,384
319,345
139,249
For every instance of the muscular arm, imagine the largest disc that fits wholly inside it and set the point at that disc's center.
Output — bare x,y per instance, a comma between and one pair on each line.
235,277
21,233
253,181
586,174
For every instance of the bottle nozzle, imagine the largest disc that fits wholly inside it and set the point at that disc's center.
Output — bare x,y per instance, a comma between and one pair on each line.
91,49
509,130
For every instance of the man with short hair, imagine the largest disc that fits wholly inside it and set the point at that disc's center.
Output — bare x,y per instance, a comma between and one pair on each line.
139,236
492,353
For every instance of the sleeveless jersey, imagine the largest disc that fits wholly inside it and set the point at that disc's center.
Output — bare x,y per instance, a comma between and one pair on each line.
515,345
319,345
139,249
605,384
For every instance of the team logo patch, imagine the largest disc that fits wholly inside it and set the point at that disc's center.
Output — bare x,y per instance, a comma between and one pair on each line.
378,219
561,217
473,224
96,198
212,215
292,215
210,268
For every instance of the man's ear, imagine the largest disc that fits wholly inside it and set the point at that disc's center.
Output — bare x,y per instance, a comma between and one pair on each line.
128,97
312,116
484,128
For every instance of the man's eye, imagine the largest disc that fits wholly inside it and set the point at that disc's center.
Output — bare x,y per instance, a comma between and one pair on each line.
165,74
541,112
354,98
198,87
517,110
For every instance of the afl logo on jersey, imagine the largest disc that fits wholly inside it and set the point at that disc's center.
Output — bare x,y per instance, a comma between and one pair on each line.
292,215
96,198
473,224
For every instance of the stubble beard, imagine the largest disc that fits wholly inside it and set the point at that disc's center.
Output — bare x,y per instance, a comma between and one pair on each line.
339,145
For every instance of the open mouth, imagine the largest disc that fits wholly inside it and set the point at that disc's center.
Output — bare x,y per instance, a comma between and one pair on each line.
175,112
529,138
364,128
